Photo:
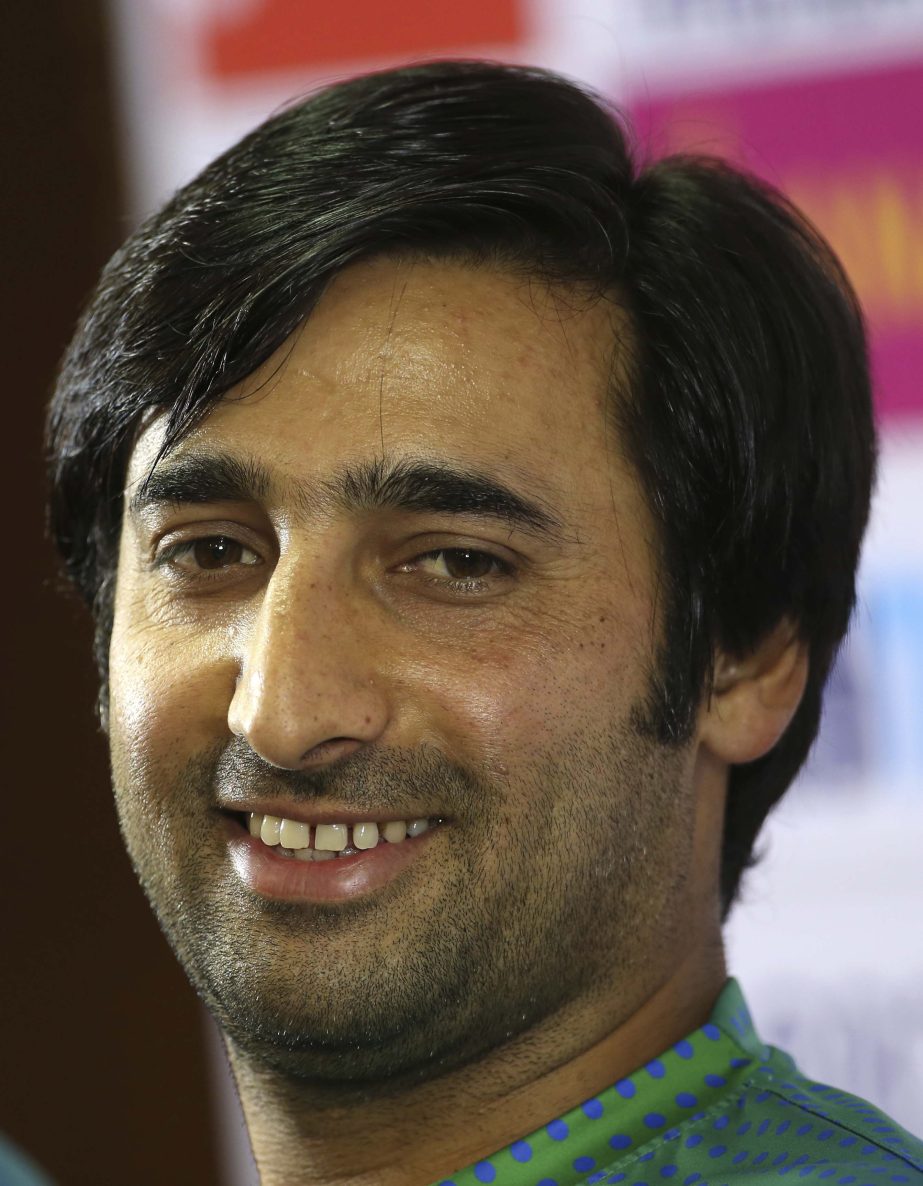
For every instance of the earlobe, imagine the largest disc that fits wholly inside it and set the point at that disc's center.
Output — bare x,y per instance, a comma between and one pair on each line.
755,696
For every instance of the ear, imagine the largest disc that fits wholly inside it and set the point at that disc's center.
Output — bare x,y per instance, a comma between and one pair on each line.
755,697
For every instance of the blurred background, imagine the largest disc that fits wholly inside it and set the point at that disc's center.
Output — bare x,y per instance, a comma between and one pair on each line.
111,1074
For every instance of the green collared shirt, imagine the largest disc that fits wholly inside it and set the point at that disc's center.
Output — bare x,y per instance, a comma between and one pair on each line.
719,1107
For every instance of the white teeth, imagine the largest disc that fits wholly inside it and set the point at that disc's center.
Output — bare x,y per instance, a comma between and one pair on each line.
330,838
270,829
365,835
294,834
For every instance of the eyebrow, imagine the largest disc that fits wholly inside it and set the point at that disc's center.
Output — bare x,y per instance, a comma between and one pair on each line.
411,485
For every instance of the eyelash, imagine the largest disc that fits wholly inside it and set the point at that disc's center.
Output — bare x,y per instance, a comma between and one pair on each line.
169,556
470,585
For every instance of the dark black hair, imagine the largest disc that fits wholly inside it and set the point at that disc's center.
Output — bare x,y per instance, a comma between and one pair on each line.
746,408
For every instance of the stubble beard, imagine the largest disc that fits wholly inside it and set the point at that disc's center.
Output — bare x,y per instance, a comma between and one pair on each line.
525,912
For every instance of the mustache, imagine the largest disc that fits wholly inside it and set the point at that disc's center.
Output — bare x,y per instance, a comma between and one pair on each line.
367,779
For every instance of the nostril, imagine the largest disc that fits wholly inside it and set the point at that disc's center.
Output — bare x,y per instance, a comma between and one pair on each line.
333,750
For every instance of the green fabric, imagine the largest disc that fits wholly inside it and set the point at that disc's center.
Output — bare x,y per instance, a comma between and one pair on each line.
716,1108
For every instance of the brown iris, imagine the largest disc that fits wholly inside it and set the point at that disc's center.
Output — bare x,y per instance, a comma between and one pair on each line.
217,551
465,564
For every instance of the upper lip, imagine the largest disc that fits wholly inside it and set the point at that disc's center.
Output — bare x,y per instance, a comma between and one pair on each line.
315,814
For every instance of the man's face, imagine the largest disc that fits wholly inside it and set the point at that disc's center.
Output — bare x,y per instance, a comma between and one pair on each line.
436,601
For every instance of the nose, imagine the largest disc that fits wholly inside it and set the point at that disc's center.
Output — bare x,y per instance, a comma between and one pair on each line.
307,691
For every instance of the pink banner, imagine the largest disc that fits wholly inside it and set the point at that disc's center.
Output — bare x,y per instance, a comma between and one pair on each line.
848,148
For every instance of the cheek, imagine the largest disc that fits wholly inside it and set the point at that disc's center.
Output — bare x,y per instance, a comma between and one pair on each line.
169,694
500,700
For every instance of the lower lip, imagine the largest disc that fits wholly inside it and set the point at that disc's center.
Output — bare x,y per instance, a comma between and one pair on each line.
264,871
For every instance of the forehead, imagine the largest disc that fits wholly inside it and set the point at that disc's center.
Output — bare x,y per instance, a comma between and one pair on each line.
438,359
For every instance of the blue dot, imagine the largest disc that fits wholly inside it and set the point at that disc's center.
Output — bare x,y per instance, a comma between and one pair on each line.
558,1130
692,1141
899,1178
783,1126
722,1122
827,1173
737,1063
806,1170
800,1160
613,1178
640,1183
625,1088
593,1109
712,1032
744,1128
805,1128
656,1069
447,1182
667,1171
655,1120
739,1158
684,1049
584,1163
686,1099
621,1140
521,1151
691,1179
845,1181
547,1182
778,1160
647,1156
764,1124
847,1141
715,1080
597,1177
717,1150
484,1171
760,1158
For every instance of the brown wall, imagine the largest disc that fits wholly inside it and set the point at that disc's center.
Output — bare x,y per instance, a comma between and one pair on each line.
102,1074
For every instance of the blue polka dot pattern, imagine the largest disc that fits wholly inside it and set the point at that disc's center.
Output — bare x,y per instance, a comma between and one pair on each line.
716,1107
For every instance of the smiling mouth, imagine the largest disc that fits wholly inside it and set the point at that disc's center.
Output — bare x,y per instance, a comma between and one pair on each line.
328,841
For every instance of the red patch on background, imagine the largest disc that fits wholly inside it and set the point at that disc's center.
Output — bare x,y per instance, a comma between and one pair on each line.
294,34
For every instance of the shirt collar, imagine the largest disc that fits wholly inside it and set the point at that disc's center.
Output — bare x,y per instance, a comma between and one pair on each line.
684,1080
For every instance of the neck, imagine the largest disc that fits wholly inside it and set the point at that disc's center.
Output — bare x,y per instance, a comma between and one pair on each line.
302,1136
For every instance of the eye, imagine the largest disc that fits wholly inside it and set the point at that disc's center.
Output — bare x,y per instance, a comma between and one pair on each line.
460,571
209,554
461,564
